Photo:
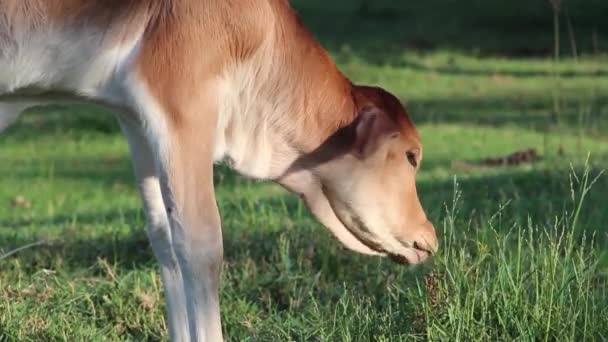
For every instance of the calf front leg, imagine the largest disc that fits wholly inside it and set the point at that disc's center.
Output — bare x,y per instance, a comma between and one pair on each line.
179,108
158,228
186,178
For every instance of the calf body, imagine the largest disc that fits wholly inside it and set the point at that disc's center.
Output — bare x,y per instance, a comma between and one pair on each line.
196,82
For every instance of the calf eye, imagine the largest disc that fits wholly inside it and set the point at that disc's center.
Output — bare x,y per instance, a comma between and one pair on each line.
411,157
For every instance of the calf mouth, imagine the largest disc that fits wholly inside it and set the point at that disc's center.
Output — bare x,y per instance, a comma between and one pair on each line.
413,257
411,254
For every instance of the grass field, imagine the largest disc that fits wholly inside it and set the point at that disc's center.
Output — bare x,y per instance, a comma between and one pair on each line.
524,250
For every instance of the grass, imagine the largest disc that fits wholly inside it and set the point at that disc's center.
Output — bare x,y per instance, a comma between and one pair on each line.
523,253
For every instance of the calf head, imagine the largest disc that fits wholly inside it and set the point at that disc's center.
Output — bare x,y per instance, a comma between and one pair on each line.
360,182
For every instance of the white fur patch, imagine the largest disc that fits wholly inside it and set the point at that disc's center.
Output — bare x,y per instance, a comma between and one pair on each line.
64,60
248,135
151,116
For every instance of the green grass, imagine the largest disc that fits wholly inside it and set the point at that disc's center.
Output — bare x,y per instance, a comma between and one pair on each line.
516,262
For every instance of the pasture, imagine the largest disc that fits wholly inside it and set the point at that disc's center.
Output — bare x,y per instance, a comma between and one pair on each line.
523,248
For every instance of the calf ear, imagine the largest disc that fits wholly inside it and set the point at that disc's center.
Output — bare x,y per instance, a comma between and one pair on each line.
372,128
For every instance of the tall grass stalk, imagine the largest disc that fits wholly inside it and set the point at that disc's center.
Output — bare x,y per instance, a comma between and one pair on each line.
556,9
583,184
532,282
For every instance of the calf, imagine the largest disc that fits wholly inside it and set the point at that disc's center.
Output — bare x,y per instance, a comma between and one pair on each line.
193,82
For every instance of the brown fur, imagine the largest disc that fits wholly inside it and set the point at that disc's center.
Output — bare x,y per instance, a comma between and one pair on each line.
226,32
304,74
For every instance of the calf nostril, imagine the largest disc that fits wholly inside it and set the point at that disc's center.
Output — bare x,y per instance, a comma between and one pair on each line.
423,247
423,239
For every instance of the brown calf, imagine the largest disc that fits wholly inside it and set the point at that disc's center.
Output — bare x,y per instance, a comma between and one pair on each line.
198,81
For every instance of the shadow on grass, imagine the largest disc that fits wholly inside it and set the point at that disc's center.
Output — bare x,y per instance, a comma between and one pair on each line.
60,119
254,228
513,29
537,194
457,70
101,172
527,113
